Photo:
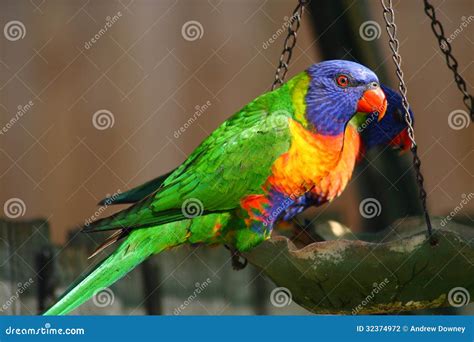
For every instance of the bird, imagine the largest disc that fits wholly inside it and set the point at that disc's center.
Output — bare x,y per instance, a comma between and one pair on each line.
392,130
299,140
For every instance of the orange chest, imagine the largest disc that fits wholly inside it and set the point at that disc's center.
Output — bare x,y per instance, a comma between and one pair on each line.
321,164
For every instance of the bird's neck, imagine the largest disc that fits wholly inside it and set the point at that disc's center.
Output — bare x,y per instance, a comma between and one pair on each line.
310,158
297,89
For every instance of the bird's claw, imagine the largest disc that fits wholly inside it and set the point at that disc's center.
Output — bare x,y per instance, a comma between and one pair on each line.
238,261
237,264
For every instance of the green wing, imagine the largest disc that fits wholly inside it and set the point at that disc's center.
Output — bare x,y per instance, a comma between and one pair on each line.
233,162
136,194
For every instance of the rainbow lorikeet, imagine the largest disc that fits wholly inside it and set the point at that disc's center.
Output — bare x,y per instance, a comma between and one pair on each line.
298,141
391,130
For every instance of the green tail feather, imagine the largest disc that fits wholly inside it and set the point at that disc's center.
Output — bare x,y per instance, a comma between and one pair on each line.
136,194
138,246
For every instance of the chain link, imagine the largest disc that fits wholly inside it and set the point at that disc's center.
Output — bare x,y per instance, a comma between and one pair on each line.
290,43
451,62
238,261
389,17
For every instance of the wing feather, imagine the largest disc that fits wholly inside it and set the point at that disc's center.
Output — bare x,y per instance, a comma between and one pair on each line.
232,163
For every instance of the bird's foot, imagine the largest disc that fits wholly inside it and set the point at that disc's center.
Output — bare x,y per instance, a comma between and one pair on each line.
238,261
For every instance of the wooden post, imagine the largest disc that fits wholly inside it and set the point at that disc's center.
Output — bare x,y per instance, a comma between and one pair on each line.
46,278
260,293
151,280
21,243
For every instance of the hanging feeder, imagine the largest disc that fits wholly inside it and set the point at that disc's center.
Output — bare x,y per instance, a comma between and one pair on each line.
397,269
388,272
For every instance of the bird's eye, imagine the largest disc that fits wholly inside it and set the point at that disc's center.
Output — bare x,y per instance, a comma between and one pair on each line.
342,81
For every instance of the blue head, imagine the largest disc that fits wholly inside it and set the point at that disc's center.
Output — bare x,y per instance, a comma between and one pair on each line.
392,129
337,91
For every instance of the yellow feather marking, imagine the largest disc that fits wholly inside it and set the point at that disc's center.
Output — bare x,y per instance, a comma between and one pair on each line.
298,88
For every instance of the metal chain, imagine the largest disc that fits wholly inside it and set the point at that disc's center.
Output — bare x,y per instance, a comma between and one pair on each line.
389,17
280,74
290,42
451,62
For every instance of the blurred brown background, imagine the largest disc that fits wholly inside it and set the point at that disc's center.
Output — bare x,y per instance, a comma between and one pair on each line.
150,78
147,75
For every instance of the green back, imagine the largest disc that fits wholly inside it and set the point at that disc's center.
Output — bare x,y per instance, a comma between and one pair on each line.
232,163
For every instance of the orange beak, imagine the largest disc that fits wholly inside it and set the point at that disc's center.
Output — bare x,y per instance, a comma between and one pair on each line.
373,100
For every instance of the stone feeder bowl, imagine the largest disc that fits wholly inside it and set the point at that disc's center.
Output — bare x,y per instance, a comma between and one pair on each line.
397,269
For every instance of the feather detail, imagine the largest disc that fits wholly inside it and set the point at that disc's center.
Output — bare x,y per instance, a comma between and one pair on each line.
298,87
336,181
310,158
116,236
